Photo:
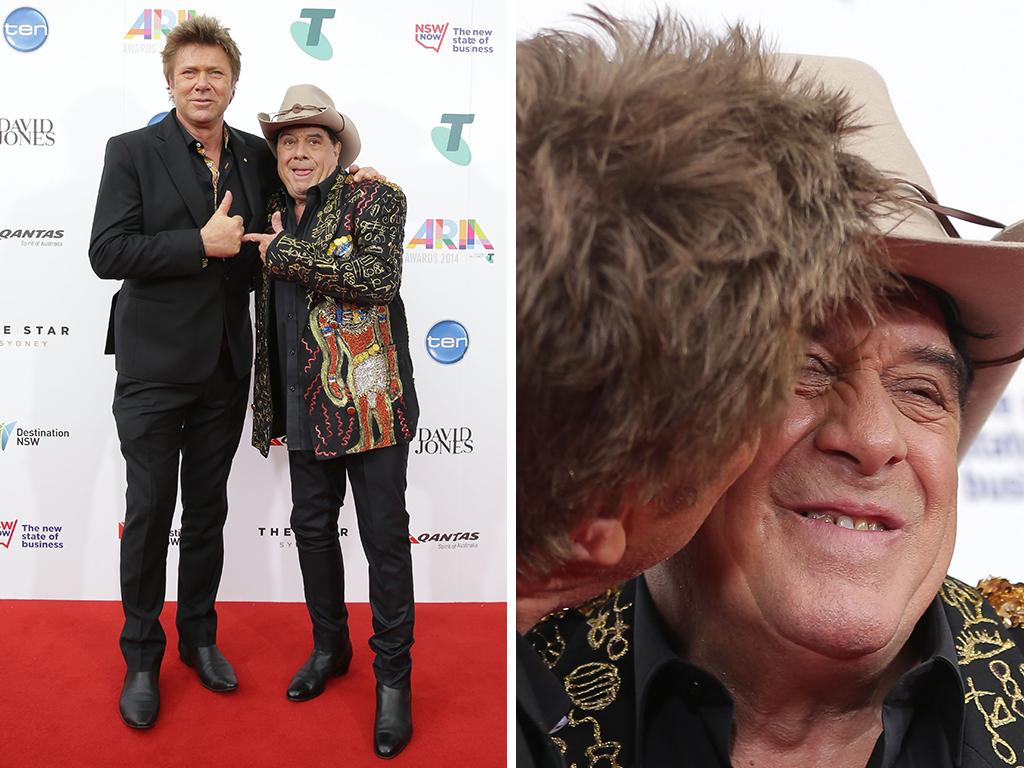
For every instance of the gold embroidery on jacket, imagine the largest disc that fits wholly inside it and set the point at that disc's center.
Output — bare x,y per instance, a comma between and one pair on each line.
595,685
998,708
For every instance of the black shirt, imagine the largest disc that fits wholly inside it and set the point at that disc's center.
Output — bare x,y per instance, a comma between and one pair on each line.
665,711
541,706
228,177
683,710
291,310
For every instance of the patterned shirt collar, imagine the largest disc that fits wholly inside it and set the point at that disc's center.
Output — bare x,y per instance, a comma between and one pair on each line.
192,142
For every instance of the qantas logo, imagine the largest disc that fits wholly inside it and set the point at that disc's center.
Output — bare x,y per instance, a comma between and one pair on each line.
454,536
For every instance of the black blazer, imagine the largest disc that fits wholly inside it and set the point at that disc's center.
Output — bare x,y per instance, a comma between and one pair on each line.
168,320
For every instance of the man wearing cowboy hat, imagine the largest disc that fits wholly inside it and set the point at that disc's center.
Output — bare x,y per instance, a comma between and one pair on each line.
333,373
810,620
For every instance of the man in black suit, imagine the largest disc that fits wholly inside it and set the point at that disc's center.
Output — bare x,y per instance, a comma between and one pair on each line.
174,201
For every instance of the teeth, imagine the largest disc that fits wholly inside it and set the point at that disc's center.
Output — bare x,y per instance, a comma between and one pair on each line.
845,521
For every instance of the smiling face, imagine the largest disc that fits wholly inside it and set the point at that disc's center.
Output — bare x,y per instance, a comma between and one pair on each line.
305,157
202,85
839,534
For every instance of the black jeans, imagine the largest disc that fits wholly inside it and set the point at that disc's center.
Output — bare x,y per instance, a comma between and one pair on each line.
157,423
378,479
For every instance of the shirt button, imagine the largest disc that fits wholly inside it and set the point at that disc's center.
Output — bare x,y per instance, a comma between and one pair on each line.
290,316
292,353
291,388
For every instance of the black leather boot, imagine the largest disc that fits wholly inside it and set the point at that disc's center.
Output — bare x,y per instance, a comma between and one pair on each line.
392,726
311,679
215,672
140,699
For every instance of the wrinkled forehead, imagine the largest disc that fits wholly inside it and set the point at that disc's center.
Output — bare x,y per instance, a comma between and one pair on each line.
303,131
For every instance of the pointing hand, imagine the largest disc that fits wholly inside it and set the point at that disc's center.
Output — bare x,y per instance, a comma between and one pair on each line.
265,240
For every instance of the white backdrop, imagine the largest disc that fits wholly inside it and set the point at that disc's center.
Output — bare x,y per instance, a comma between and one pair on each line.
99,73
954,74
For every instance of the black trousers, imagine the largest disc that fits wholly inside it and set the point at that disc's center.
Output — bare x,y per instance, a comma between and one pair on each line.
157,423
378,480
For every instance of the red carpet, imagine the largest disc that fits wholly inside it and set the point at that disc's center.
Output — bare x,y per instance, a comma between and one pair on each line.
61,673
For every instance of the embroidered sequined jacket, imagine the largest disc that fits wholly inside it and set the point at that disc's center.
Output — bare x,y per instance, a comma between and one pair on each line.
591,650
357,385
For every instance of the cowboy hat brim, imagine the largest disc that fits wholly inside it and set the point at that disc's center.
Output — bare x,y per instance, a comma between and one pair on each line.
336,122
985,279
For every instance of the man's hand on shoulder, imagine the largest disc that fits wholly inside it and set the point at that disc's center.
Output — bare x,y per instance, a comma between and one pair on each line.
368,173
222,235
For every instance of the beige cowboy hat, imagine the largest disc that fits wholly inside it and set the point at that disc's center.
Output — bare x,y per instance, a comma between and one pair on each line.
985,278
308,105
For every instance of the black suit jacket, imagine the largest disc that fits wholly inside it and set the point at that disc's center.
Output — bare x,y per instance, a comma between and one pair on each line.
171,315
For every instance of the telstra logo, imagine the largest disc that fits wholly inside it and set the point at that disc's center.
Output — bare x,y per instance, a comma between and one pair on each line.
449,141
309,35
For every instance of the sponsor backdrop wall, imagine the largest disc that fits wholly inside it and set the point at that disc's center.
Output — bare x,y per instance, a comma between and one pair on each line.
423,82
949,70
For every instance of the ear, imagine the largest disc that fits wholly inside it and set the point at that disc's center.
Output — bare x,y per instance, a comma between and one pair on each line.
599,541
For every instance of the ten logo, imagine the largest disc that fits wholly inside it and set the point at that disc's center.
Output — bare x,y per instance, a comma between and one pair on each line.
309,37
25,29
447,342
449,141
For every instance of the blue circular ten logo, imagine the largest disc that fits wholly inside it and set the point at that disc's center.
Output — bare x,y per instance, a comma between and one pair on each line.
447,341
157,118
25,29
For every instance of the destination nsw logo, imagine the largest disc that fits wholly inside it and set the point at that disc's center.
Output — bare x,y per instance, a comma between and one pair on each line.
27,437
446,241
173,536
